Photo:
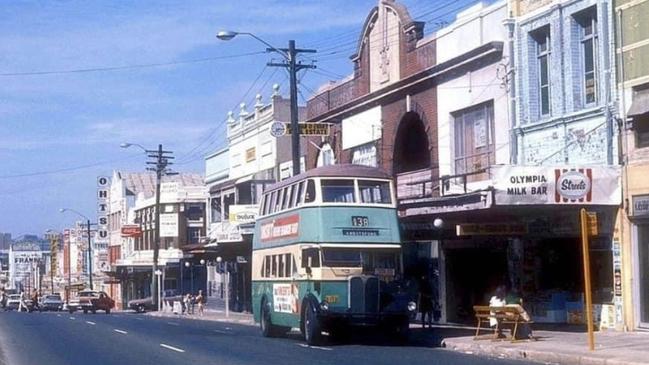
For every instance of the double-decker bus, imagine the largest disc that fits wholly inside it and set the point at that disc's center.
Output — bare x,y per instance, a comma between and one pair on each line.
327,254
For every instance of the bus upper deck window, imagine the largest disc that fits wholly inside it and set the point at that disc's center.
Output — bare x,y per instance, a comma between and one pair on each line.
337,190
309,196
376,192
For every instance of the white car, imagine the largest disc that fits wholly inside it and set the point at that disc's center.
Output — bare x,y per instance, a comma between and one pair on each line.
13,301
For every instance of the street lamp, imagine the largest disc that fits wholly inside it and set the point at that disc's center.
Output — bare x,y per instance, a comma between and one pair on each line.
289,54
62,210
160,162
191,277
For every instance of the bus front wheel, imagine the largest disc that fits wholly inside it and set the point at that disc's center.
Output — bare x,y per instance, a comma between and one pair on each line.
311,324
268,329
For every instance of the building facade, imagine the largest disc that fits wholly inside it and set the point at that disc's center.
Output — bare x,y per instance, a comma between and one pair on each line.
182,225
236,177
632,40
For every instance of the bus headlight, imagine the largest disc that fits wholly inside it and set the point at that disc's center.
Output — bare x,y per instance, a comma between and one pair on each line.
324,305
412,306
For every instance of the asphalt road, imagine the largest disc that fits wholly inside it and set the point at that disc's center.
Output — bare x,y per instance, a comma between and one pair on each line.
125,338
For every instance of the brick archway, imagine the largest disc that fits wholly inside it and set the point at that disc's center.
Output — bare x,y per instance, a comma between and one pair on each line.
411,145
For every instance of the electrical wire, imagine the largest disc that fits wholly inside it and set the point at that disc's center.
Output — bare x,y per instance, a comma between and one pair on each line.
68,169
129,67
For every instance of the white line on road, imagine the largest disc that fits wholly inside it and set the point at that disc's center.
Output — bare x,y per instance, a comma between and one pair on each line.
72,318
140,319
222,332
120,331
314,347
58,315
173,323
92,323
171,348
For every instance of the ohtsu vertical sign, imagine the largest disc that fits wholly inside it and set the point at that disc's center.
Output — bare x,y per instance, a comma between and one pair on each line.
102,210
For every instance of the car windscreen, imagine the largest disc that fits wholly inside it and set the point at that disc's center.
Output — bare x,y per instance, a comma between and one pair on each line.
52,297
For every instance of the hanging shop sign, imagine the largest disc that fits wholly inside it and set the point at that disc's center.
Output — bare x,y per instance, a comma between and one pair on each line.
640,205
531,185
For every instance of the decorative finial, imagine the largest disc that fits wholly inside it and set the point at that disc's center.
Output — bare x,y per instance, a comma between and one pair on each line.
275,89
231,117
259,103
242,112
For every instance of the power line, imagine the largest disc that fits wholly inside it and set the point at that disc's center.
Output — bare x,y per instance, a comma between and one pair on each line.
67,169
129,67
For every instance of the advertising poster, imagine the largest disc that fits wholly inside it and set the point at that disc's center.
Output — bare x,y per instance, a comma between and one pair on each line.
285,298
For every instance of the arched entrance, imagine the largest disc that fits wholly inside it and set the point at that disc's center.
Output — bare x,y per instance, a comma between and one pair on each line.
411,147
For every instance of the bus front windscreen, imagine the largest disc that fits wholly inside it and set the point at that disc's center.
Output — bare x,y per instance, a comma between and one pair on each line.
373,261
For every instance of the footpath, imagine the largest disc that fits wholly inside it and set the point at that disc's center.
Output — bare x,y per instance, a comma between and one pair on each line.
562,345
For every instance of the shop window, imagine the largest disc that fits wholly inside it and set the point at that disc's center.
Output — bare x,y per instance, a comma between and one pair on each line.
325,156
194,212
337,191
193,235
474,145
227,201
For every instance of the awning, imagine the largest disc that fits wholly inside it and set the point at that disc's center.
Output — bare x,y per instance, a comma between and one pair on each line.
640,104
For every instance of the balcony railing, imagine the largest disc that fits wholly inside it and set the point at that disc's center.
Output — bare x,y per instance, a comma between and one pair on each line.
416,184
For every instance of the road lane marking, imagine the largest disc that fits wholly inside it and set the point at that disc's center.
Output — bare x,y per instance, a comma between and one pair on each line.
173,323
120,331
92,323
72,318
222,332
58,315
140,319
314,347
171,348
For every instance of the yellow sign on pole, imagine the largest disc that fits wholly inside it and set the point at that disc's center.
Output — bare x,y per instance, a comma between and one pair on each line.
585,231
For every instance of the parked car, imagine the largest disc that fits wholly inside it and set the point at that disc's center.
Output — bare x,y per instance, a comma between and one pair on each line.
146,304
91,301
13,302
51,302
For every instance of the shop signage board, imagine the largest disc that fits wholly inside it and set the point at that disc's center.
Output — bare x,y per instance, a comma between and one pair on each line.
310,129
169,225
131,230
533,185
640,205
239,214
225,232
491,229
102,208
282,228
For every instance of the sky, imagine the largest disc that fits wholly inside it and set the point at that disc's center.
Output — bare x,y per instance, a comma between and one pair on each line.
78,78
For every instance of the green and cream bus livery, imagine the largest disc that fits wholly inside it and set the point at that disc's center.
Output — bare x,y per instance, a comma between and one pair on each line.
327,254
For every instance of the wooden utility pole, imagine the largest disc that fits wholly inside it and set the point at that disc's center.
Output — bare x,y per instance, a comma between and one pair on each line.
588,227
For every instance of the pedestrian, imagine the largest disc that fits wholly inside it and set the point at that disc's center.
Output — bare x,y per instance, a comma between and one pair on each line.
34,299
200,300
3,299
21,303
186,303
425,301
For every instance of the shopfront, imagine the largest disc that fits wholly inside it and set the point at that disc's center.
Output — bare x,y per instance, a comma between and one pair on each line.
640,233
523,231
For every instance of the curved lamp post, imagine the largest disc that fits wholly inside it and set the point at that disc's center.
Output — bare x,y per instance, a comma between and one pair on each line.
289,54
63,210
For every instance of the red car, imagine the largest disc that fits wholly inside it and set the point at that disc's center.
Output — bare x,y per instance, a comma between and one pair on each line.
90,300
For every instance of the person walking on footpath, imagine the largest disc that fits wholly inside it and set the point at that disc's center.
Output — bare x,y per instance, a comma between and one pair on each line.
22,304
200,300
186,303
